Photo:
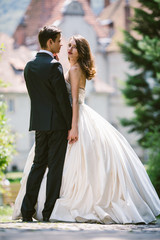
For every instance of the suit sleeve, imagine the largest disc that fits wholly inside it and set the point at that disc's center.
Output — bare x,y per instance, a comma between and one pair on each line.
58,83
25,74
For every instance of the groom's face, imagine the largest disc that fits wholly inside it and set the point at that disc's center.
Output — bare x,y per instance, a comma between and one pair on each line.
56,46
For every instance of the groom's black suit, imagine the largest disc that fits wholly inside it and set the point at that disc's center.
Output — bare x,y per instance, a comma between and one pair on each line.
51,119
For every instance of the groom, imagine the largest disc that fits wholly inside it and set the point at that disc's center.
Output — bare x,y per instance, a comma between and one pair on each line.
50,118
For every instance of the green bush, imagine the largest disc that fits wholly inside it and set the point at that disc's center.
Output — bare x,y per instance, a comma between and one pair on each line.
5,211
152,143
141,49
6,139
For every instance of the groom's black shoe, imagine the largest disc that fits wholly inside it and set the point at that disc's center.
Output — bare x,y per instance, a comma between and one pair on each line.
46,219
27,219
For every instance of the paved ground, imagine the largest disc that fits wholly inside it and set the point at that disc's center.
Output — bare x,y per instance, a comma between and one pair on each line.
16,230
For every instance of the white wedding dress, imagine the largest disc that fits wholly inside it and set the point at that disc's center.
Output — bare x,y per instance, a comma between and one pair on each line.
103,179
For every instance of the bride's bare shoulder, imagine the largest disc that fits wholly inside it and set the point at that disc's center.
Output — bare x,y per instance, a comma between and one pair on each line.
75,69
75,73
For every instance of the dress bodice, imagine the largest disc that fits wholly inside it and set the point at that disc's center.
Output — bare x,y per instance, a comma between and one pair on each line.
81,93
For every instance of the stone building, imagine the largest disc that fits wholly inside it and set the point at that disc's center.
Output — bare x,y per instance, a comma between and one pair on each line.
12,64
102,32
115,18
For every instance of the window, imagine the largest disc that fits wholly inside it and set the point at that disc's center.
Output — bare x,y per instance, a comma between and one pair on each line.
11,105
111,1
97,6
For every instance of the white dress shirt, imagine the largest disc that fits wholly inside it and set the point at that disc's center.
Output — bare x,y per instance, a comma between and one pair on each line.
45,51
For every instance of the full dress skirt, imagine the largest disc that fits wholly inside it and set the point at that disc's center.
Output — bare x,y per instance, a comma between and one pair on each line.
103,179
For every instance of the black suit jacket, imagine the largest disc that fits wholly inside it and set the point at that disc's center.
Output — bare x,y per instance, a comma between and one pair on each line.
50,106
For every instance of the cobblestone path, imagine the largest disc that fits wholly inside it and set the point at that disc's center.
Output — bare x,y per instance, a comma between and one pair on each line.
16,230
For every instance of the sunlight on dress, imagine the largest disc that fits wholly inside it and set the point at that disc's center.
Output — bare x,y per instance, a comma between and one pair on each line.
103,179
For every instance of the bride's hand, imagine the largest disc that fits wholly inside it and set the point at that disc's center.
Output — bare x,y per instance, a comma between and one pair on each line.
73,135
56,56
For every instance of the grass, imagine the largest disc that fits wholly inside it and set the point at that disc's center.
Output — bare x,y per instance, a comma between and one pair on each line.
5,213
14,176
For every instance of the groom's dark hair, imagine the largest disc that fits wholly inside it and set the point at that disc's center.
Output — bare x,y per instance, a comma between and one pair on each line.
46,33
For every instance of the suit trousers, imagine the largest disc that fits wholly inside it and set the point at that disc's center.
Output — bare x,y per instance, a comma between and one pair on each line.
50,149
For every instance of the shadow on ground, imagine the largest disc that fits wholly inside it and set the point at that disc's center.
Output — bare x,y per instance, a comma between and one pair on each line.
15,230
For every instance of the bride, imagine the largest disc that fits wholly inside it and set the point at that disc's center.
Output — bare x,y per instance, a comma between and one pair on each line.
103,179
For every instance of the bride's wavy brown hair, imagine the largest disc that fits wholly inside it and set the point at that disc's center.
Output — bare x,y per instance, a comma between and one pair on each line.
85,59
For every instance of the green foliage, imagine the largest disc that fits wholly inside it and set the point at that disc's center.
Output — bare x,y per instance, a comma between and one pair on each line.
142,50
6,139
4,84
2,49
152,142
14,177
5,211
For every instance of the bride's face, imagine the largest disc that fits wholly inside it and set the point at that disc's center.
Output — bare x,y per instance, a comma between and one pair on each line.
72,49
